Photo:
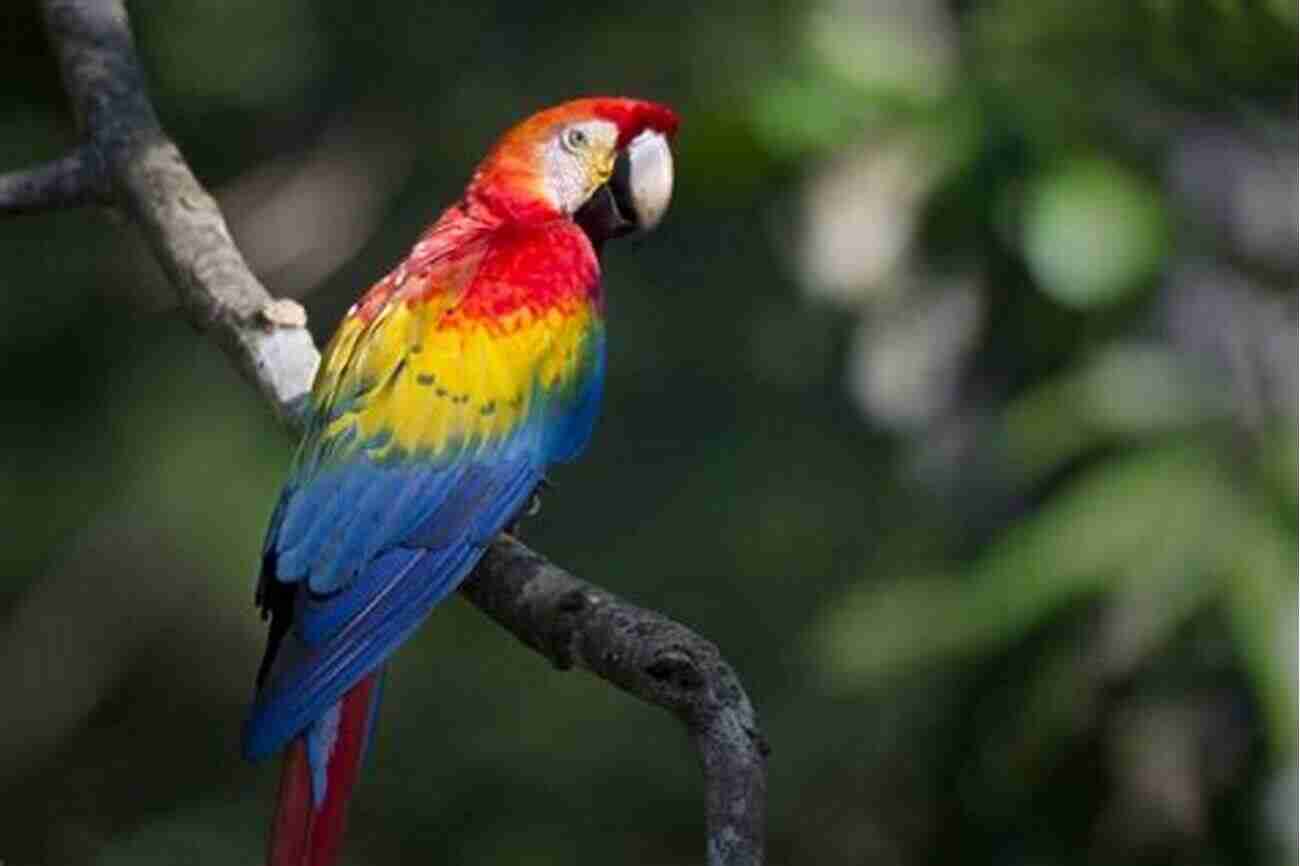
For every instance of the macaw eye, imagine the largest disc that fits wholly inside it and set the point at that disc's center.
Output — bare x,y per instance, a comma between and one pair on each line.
574,139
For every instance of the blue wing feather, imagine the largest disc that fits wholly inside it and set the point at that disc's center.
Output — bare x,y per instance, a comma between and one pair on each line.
569,435
370,547
307,680
344,629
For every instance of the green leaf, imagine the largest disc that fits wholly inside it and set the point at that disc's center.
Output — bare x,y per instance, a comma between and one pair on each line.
1153,512
1093,234
1258,563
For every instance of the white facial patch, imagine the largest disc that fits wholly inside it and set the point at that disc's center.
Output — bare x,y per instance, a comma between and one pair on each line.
572,160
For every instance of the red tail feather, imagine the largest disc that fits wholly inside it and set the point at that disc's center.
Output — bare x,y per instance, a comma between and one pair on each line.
302,833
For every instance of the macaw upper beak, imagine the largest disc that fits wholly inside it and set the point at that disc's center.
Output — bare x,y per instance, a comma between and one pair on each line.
636,195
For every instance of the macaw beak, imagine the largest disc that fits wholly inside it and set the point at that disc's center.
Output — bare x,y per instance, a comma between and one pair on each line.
636,195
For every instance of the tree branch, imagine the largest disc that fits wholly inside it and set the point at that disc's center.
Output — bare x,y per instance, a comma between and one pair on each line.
72,181
266,339
128,160
648,655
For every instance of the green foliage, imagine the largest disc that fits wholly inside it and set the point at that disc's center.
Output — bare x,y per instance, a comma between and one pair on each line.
1092,234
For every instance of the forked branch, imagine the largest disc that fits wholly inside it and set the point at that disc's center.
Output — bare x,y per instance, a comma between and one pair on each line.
126,160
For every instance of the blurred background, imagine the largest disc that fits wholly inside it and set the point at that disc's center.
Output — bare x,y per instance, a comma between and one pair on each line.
955,400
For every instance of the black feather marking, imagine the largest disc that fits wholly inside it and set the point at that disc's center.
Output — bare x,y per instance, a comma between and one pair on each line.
277,601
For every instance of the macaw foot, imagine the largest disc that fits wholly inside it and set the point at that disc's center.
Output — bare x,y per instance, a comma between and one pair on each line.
532,507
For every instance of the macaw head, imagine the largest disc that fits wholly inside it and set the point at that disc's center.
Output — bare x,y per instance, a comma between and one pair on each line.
604,162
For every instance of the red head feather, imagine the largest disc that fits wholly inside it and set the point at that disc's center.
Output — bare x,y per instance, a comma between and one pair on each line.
510,177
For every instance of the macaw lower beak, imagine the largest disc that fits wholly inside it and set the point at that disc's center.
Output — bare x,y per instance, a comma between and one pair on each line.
636,195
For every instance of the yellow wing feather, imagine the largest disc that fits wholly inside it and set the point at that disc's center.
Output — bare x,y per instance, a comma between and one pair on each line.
420,377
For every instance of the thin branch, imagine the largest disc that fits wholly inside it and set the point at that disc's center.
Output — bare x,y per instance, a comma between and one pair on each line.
72,181
129,160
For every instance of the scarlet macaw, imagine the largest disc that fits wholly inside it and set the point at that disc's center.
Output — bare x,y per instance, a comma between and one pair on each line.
441,399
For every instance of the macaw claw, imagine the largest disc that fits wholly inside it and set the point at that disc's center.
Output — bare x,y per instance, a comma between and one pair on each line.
532,507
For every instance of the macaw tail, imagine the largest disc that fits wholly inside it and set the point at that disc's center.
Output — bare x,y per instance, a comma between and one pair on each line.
321,767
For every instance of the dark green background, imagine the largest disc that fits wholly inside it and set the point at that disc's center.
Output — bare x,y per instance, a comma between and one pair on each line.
998,523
